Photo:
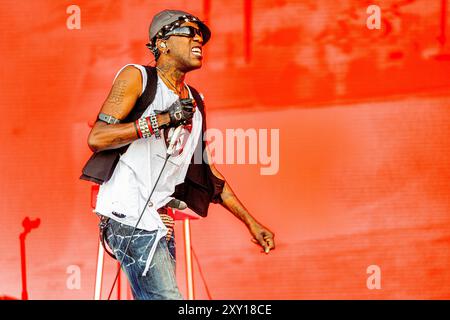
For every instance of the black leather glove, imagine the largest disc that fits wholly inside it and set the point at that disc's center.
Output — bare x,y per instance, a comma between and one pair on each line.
181,112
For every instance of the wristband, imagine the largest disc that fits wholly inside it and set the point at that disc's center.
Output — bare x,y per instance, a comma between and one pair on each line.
138,132
144,128
108,119
149,125
154,125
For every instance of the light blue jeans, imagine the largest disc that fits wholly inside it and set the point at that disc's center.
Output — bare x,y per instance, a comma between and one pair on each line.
160,280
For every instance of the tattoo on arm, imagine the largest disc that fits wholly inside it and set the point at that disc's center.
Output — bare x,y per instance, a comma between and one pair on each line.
118,92
120,140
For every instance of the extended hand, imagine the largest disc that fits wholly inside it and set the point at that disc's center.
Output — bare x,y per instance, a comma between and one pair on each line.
262,236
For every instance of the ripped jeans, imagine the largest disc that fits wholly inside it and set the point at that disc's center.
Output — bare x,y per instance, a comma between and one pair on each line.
160,281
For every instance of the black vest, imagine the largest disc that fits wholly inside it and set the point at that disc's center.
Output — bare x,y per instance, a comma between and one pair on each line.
200,187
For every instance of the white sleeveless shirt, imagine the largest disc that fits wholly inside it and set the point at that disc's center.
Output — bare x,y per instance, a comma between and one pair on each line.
124,195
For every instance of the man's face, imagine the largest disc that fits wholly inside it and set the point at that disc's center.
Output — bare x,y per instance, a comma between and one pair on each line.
186,52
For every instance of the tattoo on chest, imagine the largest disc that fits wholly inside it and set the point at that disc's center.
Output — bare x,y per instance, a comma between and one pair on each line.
118,92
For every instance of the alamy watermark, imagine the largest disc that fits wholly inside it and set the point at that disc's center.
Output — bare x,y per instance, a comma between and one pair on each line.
73,21
374,279
73,281
373,21
238,146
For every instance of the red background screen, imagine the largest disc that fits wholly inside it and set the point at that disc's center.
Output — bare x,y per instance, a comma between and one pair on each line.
364,152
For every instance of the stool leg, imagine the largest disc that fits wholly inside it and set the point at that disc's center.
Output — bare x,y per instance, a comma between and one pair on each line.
99,273
188,254
119,282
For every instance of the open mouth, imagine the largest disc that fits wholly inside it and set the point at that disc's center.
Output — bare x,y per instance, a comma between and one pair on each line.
197,51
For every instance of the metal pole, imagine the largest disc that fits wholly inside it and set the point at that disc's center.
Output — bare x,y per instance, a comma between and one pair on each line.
248,4
188,254
119,283
23,266
99,273
28,225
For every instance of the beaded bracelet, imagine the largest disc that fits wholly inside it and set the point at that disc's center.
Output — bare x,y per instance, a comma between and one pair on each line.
149,125
138,132
143,128
154,125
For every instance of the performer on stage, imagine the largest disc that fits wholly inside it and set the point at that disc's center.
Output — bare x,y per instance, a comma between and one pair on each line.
144,109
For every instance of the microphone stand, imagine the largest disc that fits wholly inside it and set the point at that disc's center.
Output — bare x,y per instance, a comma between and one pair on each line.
28,225
170,151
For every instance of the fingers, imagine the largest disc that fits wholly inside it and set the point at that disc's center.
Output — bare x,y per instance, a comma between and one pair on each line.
261,244
182,111
270,245
269,240
188,101
189,105
188,108
265,241
189,112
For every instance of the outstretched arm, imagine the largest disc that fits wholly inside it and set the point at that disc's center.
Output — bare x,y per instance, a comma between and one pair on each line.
261,235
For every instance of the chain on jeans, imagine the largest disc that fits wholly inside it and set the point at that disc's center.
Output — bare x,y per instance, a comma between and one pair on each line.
166,219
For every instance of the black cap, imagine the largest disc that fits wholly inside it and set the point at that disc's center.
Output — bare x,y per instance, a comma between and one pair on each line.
167,17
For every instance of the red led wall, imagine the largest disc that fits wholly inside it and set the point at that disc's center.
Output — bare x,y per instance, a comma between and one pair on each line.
364,158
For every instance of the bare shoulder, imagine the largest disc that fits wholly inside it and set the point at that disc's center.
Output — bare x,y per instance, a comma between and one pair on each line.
129,80
132,74
122,97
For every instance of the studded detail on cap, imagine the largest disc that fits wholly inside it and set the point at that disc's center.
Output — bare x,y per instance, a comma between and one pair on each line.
167,19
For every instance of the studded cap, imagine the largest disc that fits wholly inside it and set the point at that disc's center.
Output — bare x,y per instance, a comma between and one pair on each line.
166,17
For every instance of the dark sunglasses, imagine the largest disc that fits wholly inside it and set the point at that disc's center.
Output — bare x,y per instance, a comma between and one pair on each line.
185,32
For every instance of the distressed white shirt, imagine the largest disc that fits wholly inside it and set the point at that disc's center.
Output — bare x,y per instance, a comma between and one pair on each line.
127,191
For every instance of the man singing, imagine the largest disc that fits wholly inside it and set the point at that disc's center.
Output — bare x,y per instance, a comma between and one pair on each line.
149,113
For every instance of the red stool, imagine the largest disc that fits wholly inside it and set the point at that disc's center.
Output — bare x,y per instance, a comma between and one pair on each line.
186,217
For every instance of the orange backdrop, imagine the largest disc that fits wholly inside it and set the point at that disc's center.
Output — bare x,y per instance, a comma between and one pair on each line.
364,154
